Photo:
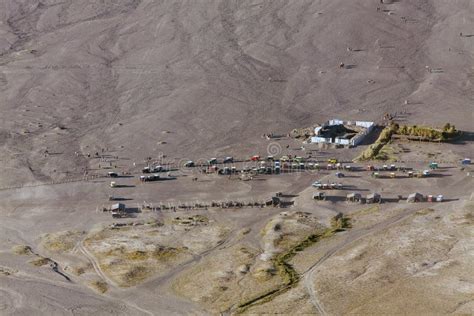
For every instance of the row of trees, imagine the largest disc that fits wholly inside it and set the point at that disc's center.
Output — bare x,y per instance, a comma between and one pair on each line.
449,131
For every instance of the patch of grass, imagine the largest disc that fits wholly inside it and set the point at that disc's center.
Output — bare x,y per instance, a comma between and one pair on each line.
99,285
136,255
125,273
429,133
22,250
40,261
165,253
340,223
135,275
248,253
154,223
7,271
425,211
77,270
61,241
161,253
191,220
469,217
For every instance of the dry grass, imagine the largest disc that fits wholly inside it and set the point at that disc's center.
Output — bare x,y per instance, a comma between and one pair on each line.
218,282
7,271
22,250
165,253
136,255
161,253
191,220
79,269
61,241
40,261
99,285
130,254
469,215
425,211
130,268
136,274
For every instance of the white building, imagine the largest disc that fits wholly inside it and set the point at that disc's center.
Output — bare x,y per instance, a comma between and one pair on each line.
319,137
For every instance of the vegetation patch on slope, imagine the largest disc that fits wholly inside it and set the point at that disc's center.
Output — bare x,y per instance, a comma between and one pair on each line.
381,151
286,271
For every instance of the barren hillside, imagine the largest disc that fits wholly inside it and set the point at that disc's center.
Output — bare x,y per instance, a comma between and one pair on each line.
79,76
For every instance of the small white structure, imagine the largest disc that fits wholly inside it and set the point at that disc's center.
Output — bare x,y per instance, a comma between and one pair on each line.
317,139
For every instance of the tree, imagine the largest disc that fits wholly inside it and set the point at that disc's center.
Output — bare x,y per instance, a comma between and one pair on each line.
447,127
403,130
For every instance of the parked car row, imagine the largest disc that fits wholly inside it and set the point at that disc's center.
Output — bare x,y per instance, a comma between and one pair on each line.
148,178
230,159
153,169
327,186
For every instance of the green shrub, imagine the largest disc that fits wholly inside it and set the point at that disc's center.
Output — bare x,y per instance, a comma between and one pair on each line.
431,134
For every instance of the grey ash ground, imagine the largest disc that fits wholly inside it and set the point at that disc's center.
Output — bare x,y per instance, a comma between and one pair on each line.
88,87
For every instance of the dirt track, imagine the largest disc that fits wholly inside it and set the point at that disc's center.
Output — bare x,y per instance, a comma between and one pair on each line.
350,238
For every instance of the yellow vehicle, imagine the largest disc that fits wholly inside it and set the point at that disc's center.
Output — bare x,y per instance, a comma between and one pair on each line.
299,159
332,160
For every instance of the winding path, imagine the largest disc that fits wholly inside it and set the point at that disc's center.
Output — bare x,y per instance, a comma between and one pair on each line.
95,265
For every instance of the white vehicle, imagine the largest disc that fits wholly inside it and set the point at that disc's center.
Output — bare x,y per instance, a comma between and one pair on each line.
228,159
317,184
189,164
